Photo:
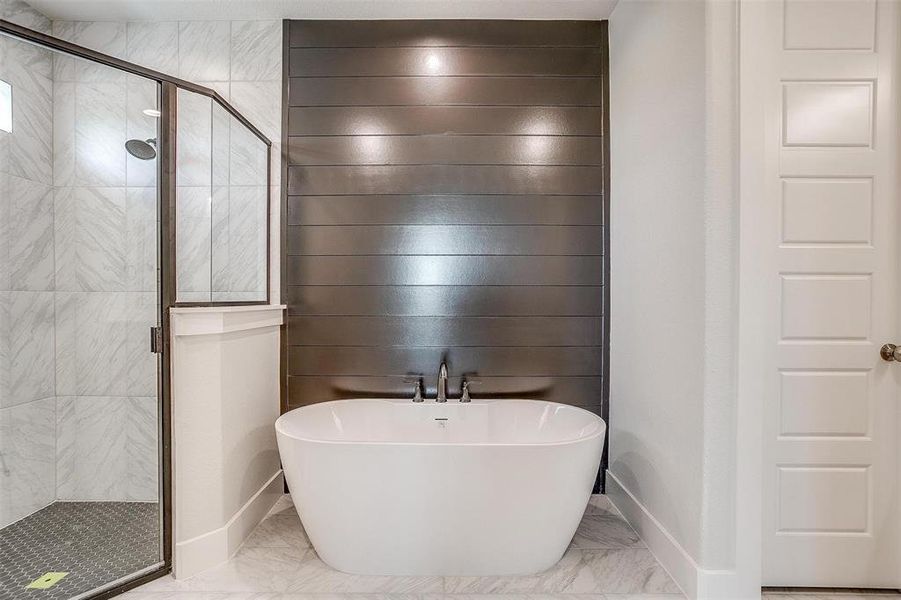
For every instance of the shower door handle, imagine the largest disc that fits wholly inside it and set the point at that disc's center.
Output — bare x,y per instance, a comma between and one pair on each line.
890,353
156,340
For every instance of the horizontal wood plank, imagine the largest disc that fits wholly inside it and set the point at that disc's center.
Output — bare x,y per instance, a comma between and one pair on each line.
442,32
444,331
481,362
430,209
524,240
446,270
426,300
443,62
575,391
443,149
444,91
421,120
445,179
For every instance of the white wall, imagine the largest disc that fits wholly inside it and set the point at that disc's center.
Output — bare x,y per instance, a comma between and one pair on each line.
672,226
657,246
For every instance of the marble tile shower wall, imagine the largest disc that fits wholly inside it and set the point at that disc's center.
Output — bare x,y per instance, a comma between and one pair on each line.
78,247
242,61
27,394
221,201
105,259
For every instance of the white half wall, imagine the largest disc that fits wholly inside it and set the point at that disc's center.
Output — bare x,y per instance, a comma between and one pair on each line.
225,400
673,224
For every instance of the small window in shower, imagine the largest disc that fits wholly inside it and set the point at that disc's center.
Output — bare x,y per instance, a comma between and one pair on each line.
6,107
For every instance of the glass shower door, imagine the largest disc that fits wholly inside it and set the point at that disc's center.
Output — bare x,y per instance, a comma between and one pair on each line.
80,501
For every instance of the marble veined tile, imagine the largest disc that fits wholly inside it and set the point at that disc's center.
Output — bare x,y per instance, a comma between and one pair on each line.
65,263
283,506
26,334
248,157
90,238
602,531
602,571
63,133
29,73
141,594
219,277
142,449
4,136
142,310
203,50
194,296
256,50
247,221
30,235
223,88
30,67
100,245
280,530
194,140
94,333
313,575
27,462
91,459
154,45
141,239
5,355
21,13
599,504
193,239
603,527
100,133
108,37
142,95
250,570
63,65
65,304
261,103
221,152
231,296
528,596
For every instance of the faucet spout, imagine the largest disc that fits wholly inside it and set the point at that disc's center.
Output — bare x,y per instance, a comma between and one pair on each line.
442,384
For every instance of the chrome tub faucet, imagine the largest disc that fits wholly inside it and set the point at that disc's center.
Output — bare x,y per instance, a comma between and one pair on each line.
442,384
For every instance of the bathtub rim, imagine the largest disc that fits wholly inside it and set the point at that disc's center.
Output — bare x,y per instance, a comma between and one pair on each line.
600,430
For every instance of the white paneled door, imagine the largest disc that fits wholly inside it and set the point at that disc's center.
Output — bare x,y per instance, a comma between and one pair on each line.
829,242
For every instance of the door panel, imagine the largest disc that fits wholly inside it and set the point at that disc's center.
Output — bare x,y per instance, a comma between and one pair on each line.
830,510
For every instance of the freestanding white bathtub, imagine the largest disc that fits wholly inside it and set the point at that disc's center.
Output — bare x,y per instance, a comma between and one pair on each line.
393,487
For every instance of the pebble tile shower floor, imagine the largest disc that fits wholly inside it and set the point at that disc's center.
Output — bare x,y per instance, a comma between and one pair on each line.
95,542
607,560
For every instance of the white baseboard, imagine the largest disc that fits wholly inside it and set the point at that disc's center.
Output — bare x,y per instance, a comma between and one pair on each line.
214,547
696,583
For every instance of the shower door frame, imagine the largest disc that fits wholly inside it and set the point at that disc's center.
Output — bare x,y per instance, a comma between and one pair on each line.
166,198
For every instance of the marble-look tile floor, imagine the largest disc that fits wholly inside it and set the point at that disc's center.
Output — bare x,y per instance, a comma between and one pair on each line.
606,561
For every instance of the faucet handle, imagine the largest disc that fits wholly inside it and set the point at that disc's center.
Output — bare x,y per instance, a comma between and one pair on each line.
465,397
417,390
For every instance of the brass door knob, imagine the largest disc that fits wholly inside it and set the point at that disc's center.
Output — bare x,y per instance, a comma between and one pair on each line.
890,352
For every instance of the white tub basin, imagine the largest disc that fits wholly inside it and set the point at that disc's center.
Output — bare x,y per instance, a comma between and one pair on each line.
392,487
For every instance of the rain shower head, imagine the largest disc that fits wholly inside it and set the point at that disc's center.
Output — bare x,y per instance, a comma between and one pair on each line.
142,149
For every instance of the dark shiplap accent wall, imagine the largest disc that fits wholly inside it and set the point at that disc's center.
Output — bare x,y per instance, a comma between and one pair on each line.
445,185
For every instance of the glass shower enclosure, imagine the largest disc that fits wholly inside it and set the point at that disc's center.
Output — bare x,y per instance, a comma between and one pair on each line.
123,192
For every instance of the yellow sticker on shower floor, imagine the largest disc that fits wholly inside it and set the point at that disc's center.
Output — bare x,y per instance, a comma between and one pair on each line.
46,581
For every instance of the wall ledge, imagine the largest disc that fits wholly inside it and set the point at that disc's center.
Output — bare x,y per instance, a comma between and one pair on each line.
212,320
